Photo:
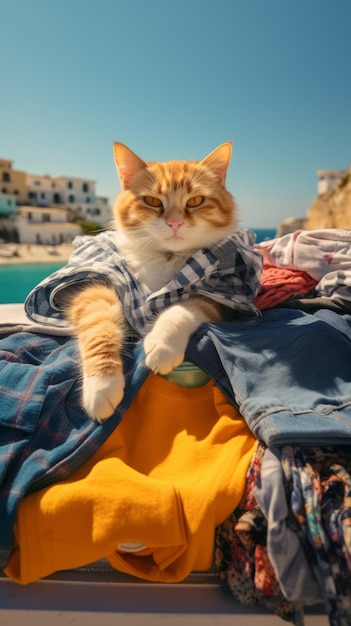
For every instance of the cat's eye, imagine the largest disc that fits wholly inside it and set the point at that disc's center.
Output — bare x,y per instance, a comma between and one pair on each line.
152,201
195,201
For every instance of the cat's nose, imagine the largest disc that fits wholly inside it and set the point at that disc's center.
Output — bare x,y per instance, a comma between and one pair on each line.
175,224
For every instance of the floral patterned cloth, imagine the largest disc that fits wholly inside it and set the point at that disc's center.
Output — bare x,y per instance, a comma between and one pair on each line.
317,484
241,555
318,487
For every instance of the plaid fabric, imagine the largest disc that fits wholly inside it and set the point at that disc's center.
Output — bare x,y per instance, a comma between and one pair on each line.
228,272
44,434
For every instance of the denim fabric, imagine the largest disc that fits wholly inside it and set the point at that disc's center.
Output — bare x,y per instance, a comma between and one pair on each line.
289,375
340,322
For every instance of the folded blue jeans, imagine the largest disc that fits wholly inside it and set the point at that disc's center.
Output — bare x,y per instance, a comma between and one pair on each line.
289,375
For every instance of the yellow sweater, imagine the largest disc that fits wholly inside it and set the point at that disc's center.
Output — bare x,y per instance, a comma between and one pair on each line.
172,471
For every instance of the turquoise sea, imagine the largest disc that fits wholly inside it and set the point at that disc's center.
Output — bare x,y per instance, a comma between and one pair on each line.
16,281
263,234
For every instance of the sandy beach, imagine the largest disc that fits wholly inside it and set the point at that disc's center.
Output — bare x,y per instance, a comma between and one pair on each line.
17,253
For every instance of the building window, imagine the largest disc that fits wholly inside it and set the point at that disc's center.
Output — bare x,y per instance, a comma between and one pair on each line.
29,217
32,195
71,198
87,199
70,185
37,183
56,198
6,177
42,195
46,217
85,187
4,190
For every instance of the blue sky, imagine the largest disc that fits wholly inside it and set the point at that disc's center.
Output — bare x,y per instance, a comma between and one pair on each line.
173,79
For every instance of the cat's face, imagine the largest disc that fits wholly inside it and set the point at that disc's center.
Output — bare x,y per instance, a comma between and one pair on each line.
174,205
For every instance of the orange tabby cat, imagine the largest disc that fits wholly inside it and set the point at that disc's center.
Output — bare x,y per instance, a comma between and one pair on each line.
163,214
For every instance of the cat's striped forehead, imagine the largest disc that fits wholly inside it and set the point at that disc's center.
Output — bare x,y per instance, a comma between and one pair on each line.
174,175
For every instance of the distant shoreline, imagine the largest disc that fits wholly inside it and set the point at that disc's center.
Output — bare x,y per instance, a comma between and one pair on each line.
20,253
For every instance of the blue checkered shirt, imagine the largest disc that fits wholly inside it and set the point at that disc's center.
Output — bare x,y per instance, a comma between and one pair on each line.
228,272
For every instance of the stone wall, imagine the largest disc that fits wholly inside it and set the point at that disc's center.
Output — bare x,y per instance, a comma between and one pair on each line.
332,209
290,225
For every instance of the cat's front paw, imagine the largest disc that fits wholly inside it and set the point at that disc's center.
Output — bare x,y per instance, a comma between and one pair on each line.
102,395
162,355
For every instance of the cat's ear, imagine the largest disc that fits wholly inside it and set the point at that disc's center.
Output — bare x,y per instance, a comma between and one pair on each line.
127,162
218,160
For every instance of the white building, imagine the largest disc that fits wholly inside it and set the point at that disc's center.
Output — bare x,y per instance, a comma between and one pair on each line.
40,190
96,210
328,179
76,194
71,190
45,225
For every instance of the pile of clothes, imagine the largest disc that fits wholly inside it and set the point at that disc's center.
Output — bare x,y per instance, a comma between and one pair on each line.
307,270
288,543
254,467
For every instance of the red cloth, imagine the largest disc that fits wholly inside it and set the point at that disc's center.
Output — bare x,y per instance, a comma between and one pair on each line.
280,283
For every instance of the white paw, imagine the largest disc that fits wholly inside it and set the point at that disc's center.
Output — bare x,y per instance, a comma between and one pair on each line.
102,394
162,355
